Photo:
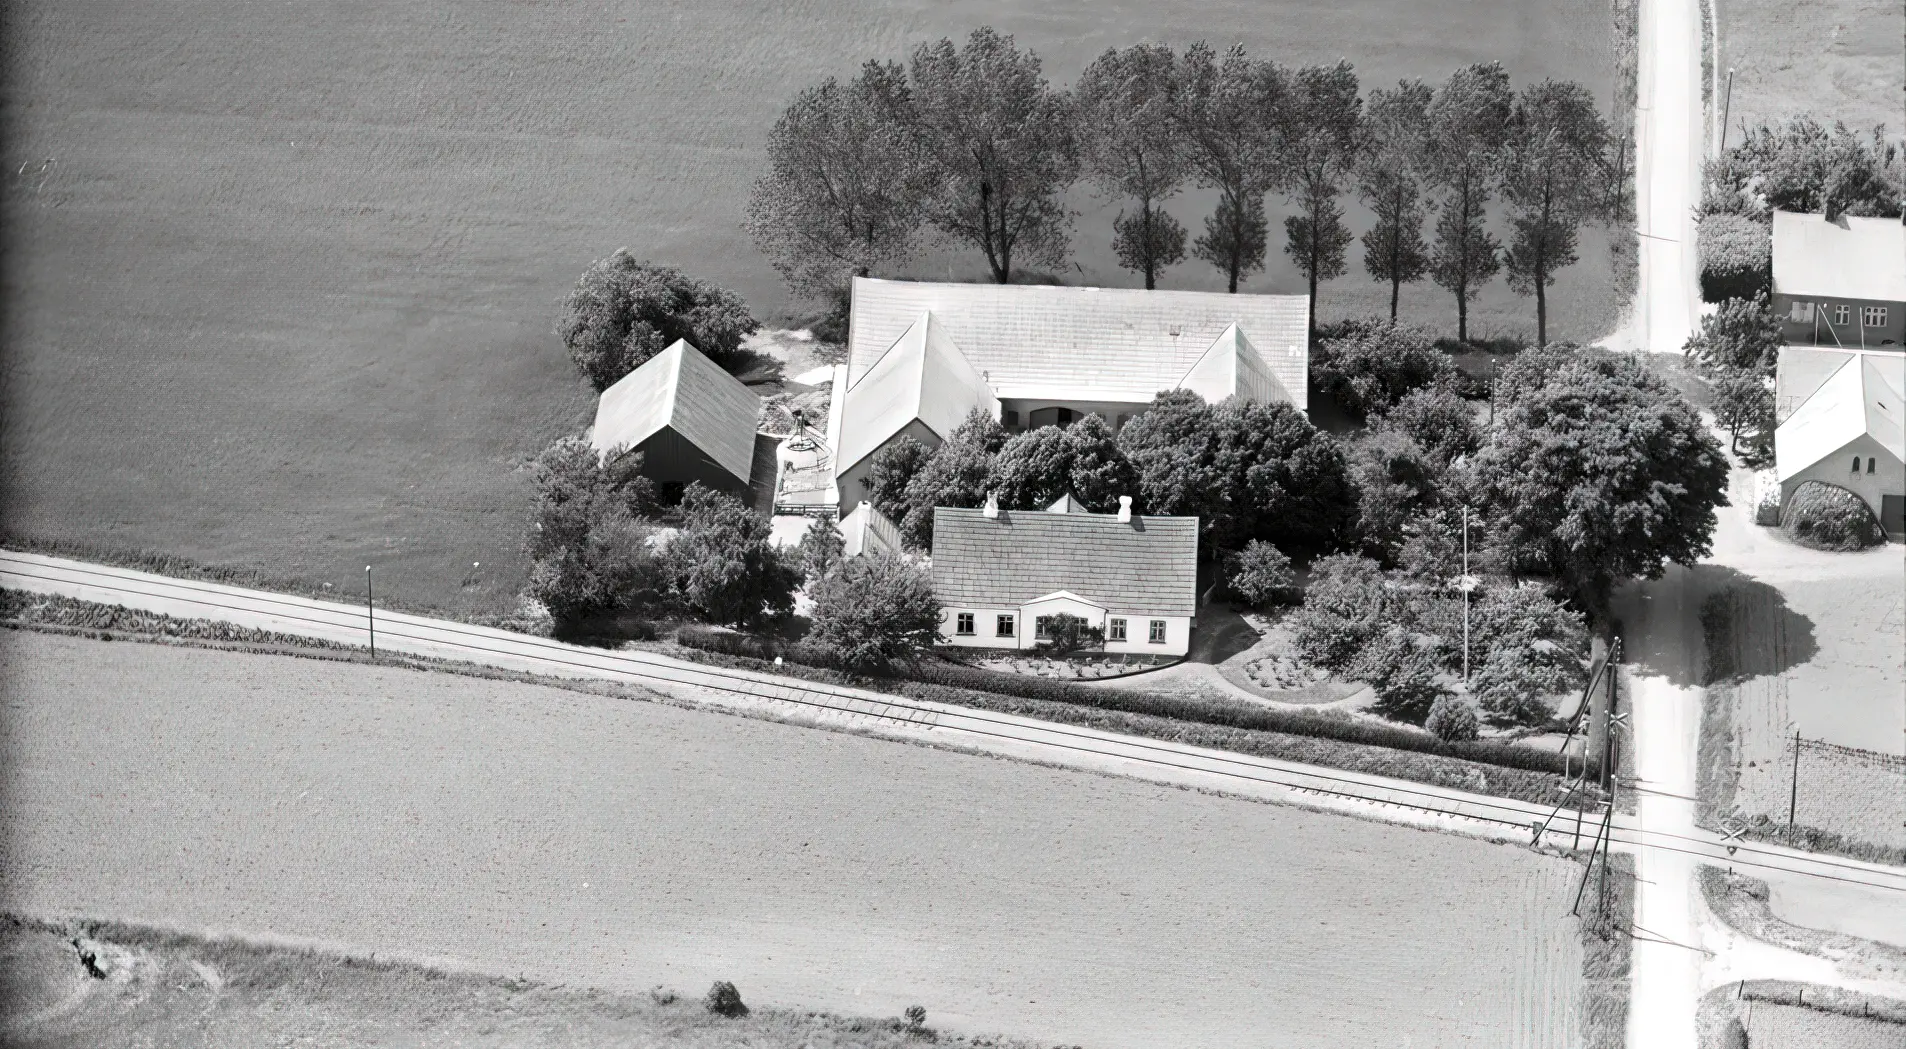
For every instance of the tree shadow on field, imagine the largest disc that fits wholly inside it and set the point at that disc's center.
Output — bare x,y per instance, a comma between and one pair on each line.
1747,629
1710,625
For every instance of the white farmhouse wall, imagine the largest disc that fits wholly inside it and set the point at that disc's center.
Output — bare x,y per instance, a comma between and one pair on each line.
1138,628
1888,476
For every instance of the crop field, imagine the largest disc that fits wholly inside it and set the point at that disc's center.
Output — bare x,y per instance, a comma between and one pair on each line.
1836,59
1792,1027
601,842
283,276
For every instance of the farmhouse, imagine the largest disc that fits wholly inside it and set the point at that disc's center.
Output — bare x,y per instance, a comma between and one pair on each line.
921,356
691,420
1001,575
1840,282
1848,428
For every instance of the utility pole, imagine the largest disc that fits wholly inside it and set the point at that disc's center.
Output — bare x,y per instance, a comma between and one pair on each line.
370,610
1793,793
1468,584
1727,102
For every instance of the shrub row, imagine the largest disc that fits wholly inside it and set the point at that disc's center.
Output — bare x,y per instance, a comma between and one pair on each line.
1736,255
1227,713
1814,839
18,606
1436,770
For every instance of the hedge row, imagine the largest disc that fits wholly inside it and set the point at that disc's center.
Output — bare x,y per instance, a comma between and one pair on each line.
1736,255
1228,713
1436,770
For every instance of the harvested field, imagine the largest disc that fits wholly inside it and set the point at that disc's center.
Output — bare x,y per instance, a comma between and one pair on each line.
166,988
283,276
1792,1027
1836,59
608,843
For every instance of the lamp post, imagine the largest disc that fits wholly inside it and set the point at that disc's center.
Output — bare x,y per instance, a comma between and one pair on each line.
1467,583
370,610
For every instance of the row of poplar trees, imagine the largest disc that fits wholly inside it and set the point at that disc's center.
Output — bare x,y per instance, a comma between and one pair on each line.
974,145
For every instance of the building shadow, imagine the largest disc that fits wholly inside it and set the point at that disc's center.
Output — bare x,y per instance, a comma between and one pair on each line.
1221,634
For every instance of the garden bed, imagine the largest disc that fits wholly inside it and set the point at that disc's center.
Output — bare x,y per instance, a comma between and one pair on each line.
1084,666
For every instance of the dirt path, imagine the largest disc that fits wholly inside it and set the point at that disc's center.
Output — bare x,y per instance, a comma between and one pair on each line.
598,841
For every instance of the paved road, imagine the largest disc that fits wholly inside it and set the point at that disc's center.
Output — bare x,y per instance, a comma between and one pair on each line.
912,720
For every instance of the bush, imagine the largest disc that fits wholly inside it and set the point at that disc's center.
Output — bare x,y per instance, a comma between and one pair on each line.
726,571
1066,634
1405,670
1741,334
1260,574
1343,607
589,548
819,550
623,312
916,1017
1368,367
1736,255
1828,517
873,610
724,1000
1452,720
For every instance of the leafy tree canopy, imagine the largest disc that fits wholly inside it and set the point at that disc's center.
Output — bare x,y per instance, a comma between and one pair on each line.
1367,366
725,567
622,312
874,610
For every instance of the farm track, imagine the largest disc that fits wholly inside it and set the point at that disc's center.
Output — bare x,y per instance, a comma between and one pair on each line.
909,720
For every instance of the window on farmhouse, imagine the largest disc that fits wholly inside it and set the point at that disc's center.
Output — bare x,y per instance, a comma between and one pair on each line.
1802,312
1012,420
1003,626
1873,316
1115,629
1869,463
1842,314
963,625
1042,628
1158,632
1856,464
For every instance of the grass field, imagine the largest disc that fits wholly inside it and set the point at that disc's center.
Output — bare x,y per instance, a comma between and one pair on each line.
599,842
283,275
165,988
1836,59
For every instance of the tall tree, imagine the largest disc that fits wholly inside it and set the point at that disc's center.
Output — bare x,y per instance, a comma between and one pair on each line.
1554,178
1132,147
1390,177
1001,149
844,187
1468,119
1227,111
1321,132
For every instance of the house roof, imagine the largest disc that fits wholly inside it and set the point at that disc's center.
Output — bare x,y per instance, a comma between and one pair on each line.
683,390
1095,344
1145,566
919,375
1067,504
1800,372
1848,258
1861,398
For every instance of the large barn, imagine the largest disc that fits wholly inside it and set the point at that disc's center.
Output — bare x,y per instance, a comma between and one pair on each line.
921,356
691,420
1846,427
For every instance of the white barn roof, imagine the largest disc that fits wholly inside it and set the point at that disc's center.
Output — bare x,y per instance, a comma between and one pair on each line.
1848,258
1086,344
1861,398
920,374
683,390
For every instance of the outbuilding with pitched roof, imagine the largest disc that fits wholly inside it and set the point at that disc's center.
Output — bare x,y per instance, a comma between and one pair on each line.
1850,431
690,419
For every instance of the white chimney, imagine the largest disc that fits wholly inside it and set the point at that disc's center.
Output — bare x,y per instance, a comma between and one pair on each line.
991,509
1125,508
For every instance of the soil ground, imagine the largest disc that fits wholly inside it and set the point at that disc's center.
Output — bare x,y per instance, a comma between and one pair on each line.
283,278
618,844
1835,59
162,988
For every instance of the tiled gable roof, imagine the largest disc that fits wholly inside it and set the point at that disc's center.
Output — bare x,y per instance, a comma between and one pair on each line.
920,375
1146,566
1112,344
1860,398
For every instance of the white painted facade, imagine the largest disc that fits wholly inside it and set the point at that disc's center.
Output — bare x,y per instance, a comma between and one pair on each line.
982,630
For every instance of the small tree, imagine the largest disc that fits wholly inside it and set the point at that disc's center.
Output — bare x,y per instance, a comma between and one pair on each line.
724,1000
1742,334
1227,111
1554,178
875,609
725,568
1406,670
956,475
1133,148
819,551
1066,633
622,312
1397,483
1468,124
1260,574
1344,608
1321,137
588,544
1032,469
844,189
1001,147
1452,720
1437,418
1743,404
893,469
1389,175
1525,647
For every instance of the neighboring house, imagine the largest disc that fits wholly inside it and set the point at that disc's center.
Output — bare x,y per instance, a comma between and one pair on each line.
1000,573
1848,430
690,419
924,355
1840,282
868,531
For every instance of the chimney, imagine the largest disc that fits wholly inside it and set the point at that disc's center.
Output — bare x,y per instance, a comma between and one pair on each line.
1125,509
991,509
